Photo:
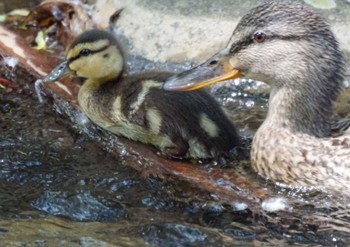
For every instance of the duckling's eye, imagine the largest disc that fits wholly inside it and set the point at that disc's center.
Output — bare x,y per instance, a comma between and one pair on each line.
213,62
259,36
85,52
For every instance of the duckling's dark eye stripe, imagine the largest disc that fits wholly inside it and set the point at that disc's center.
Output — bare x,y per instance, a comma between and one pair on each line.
91,52
243,44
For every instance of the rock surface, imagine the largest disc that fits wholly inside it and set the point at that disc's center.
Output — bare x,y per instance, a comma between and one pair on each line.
164,30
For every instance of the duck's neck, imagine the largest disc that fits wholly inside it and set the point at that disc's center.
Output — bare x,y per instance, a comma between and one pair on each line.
305,110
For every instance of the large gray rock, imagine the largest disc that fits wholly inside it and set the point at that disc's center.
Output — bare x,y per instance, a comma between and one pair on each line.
179,31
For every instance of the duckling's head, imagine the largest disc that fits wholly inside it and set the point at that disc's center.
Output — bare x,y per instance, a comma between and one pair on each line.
94,55
283,43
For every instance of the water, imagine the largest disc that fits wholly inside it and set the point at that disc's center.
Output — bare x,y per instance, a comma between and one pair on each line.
46,167
59,188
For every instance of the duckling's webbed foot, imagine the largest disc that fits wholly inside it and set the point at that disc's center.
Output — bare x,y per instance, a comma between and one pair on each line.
176,152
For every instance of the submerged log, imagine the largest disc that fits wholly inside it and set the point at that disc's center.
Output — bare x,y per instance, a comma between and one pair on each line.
227,184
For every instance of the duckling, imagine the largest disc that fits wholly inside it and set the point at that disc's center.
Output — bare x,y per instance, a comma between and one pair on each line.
289,46
180,124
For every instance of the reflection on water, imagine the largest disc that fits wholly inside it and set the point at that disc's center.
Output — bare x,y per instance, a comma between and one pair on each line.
246,102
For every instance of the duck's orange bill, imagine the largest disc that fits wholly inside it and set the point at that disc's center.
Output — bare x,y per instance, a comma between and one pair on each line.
235,73
215,69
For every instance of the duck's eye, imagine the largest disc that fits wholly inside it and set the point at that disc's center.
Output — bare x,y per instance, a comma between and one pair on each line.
259,36
85,52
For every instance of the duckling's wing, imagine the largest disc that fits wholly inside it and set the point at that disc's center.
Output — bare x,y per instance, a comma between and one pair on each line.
130,111
135,103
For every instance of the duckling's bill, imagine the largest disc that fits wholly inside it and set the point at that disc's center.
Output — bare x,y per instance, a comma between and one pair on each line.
60,72
216,69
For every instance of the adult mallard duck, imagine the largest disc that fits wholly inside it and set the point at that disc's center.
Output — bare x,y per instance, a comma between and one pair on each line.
179,124
290,47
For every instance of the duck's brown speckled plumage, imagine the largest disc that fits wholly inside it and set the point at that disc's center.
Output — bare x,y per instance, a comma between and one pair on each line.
300,58
179,124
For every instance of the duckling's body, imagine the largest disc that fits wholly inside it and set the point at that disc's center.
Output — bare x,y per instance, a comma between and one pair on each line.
290,47
179,124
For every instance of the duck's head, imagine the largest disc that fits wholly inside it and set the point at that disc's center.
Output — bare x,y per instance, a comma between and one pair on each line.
94,55
283,43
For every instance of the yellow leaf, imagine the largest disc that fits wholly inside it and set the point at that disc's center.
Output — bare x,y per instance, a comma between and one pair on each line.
40,41
21,12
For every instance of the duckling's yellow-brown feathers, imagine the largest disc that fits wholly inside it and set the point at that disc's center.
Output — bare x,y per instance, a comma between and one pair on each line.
94,46
180,124
98,66
95,55
185,124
